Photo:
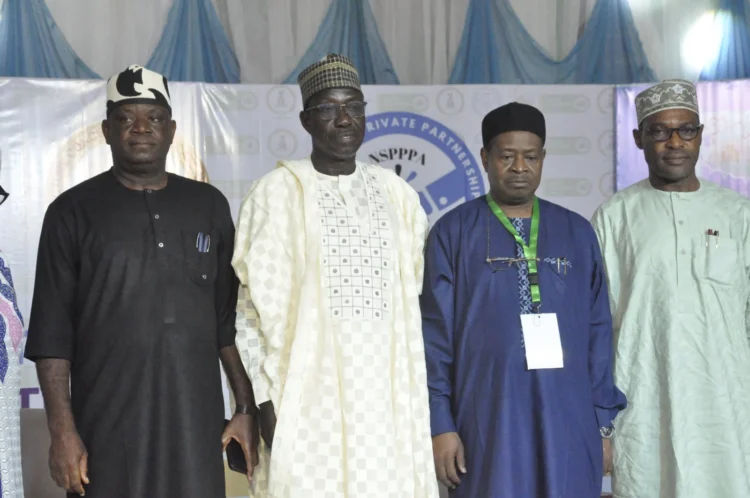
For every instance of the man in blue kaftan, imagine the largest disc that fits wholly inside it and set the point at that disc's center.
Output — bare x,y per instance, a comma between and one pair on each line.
518,333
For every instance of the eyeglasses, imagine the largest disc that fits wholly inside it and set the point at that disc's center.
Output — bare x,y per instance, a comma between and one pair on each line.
328,112
505,263
662,134
500,264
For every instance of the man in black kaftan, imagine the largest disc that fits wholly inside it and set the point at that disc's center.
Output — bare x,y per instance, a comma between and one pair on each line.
134,302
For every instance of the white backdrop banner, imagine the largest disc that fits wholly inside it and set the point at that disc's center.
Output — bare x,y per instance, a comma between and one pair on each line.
230,135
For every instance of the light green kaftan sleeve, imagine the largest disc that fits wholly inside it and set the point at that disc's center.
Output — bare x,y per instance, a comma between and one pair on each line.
602,227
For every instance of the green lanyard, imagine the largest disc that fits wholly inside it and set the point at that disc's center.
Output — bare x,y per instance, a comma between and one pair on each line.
529,251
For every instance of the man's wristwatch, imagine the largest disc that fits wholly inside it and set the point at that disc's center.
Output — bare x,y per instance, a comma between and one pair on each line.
606,432
244,410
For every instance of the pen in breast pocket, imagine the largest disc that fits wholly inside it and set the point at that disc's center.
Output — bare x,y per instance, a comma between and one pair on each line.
564,262
712,233
203,242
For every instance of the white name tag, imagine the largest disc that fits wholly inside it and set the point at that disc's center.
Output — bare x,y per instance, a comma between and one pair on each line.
541,338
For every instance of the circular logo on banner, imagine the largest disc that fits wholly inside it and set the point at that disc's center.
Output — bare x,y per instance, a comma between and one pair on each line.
583,187
607,143
281,100
581,103
606,100
450,101
420,103
582,145
431,157
232,99
282,144
247,100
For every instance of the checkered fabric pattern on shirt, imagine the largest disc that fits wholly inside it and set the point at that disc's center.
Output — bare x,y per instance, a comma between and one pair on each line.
349,384
356,250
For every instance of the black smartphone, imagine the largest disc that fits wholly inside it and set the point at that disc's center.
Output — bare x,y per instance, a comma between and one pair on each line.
235,455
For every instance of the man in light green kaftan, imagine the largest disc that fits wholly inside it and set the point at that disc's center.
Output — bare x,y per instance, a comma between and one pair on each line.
677,255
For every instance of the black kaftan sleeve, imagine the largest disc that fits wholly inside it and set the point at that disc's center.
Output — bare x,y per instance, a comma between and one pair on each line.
227,284
51,323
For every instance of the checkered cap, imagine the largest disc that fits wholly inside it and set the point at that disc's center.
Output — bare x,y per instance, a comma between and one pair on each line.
334,71
669,94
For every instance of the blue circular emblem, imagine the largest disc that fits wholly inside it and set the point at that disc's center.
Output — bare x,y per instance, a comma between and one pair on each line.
439,187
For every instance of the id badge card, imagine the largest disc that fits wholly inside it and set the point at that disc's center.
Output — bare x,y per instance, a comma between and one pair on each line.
541,337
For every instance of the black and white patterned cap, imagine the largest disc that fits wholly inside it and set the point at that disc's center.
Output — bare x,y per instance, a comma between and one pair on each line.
334,71
137,85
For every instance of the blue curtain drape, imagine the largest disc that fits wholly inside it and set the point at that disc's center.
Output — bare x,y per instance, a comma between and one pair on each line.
32,46
496,48
194,46
733,59
349,29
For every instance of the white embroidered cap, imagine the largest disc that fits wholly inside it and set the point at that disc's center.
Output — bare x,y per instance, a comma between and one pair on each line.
669,94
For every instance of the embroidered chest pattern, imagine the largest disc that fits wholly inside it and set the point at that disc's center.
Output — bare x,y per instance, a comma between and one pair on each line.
357,256
524,287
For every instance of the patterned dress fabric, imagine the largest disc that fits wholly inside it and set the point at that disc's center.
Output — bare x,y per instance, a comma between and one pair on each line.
524,287
357,246
11,335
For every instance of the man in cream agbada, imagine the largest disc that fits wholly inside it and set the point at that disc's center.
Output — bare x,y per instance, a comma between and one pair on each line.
329,255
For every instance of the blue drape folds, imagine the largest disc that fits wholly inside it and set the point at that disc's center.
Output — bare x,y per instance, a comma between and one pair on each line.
32,46
610,50
733,59
349,29
194,46
496,48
